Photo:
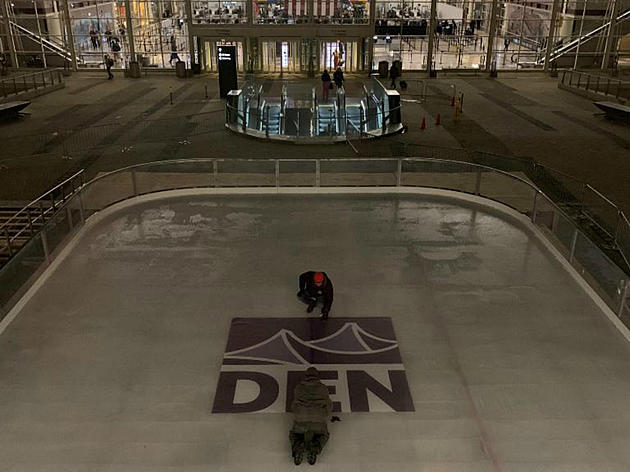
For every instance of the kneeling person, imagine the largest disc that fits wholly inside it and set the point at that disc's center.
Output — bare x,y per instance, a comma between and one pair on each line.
314,287
311,409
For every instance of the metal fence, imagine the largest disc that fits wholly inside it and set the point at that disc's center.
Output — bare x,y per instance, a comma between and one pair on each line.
21,227
17,84
598,84
598,270
68,141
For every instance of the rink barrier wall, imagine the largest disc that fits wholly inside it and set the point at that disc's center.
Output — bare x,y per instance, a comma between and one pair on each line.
511,194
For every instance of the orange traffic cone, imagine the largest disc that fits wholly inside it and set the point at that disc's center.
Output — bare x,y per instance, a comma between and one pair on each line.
437,120
453,101
423,125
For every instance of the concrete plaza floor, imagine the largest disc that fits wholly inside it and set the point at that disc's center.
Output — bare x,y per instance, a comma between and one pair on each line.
133,120
112,364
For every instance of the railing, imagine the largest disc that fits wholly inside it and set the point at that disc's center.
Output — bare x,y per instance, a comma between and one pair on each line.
555,224
69,141
22,226
599,84
18,84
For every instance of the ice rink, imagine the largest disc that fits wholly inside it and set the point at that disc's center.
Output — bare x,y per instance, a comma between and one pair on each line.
113,363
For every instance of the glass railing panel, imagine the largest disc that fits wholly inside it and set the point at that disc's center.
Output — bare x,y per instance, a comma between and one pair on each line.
600,210
623,238
561,188
75,211
106,191
15,273
56,229
606,278
359,173
297,173
507,190
171,176
439,174
246,173
558,227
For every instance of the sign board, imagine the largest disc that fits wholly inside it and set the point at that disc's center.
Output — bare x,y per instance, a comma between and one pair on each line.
358,360
226,59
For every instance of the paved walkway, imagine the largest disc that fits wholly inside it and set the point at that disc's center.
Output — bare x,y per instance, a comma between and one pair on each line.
520,115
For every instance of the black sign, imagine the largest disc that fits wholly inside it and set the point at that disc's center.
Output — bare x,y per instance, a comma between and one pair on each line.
226,58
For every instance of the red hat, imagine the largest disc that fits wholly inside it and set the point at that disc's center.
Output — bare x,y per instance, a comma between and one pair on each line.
318,277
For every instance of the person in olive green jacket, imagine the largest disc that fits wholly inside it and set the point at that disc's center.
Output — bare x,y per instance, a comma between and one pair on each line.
311,409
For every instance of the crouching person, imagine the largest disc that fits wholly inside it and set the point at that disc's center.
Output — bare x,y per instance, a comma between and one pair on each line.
311,409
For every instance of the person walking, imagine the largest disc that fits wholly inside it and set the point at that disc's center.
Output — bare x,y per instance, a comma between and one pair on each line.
311,409
394,73
174,55
315,287
338,77
326,84
109,63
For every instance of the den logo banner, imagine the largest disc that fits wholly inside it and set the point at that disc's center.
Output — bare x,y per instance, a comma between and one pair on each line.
358,359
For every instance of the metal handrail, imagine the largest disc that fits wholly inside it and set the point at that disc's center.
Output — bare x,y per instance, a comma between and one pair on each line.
615,302
622,251
44,196
30,74
584,38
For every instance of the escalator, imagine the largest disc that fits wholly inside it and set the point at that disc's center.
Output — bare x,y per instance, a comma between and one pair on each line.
326,119
46,43
272,112
562,49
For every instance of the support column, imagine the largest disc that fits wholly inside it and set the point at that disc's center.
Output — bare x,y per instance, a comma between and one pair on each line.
69,34
552,33
370,43
611,34
191,43
492,34
9,32
432,22
249,11
130,38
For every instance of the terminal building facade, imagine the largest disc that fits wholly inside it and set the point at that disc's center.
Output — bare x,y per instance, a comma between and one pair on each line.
308,36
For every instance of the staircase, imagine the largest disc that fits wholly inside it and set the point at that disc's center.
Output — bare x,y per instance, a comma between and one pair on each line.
16,227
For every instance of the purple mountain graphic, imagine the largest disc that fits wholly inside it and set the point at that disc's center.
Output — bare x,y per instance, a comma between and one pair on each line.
349,344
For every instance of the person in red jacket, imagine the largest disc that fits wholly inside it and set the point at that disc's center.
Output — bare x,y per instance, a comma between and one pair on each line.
315,287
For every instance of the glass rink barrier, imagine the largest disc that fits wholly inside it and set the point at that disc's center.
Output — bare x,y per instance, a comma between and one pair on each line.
303,115
64,217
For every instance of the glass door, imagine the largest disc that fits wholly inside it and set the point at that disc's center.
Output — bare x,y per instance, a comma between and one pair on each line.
210,54
279,56
340,53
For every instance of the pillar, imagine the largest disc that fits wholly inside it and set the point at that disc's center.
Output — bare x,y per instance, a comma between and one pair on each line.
552,33
69,34
611,34
9,32
189,23
431,37
130,38
492,34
